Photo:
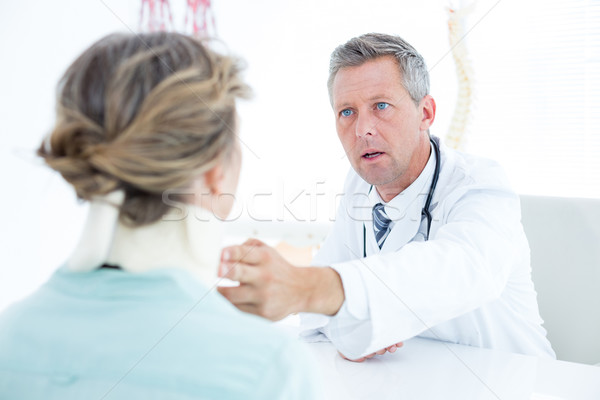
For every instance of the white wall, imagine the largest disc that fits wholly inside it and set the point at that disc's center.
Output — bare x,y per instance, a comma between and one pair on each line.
290,145
39,39
288,131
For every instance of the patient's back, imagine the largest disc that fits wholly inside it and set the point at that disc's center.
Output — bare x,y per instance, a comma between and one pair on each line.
109,334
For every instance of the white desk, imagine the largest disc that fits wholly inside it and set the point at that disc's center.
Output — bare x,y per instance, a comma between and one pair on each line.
428,369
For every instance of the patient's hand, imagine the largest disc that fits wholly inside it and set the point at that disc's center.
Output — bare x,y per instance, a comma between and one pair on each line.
391,349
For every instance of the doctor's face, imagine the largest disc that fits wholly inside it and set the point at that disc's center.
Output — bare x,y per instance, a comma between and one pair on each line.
382,130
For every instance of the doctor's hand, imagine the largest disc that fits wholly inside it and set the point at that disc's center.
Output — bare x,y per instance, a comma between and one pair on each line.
391,349
272,287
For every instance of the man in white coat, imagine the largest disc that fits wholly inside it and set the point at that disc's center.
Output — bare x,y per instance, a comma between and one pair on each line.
427,241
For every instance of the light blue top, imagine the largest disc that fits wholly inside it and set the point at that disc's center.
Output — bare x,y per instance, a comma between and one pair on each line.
110,334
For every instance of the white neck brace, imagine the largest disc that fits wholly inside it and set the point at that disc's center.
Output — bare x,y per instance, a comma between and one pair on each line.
191,241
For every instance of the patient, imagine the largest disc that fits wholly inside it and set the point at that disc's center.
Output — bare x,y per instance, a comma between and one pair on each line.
146,132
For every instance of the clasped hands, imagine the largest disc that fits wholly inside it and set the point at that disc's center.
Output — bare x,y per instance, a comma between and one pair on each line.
271,287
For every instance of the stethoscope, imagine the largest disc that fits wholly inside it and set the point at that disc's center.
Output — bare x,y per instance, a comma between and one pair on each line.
425,211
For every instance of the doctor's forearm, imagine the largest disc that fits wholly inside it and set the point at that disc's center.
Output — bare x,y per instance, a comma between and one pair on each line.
323,290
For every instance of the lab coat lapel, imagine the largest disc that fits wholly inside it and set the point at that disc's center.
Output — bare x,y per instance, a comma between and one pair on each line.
405,229
372,247
365,204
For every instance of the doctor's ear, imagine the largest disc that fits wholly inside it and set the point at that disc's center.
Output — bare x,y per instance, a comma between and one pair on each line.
427,108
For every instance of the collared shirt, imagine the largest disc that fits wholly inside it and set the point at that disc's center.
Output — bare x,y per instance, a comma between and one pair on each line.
404,210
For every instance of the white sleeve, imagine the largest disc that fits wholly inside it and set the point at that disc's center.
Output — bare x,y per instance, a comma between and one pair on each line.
355,309
466,262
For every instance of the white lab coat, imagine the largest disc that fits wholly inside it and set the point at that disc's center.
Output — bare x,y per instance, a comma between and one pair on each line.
470,283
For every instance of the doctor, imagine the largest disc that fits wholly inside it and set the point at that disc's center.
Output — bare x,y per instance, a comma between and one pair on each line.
427,241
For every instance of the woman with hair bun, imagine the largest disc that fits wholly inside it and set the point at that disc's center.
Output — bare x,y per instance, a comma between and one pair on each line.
146,132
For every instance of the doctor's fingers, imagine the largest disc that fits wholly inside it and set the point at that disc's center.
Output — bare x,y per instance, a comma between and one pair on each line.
254,242
349,359
240,272
394,347
246,253
240,296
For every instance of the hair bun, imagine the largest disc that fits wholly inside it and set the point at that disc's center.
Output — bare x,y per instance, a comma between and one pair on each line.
144,113
69,151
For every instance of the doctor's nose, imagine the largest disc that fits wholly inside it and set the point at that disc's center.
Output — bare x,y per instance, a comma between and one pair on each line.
365,125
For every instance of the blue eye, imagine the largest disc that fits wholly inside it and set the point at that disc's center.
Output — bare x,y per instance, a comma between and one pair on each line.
382,106
346,113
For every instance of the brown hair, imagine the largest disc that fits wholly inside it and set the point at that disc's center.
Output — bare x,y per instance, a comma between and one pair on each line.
143,113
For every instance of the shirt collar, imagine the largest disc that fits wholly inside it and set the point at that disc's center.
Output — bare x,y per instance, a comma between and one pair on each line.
409,198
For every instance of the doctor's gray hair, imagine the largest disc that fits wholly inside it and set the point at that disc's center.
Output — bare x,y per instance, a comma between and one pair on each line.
370,46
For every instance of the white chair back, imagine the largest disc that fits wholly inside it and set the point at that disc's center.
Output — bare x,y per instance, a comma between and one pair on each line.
564,237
